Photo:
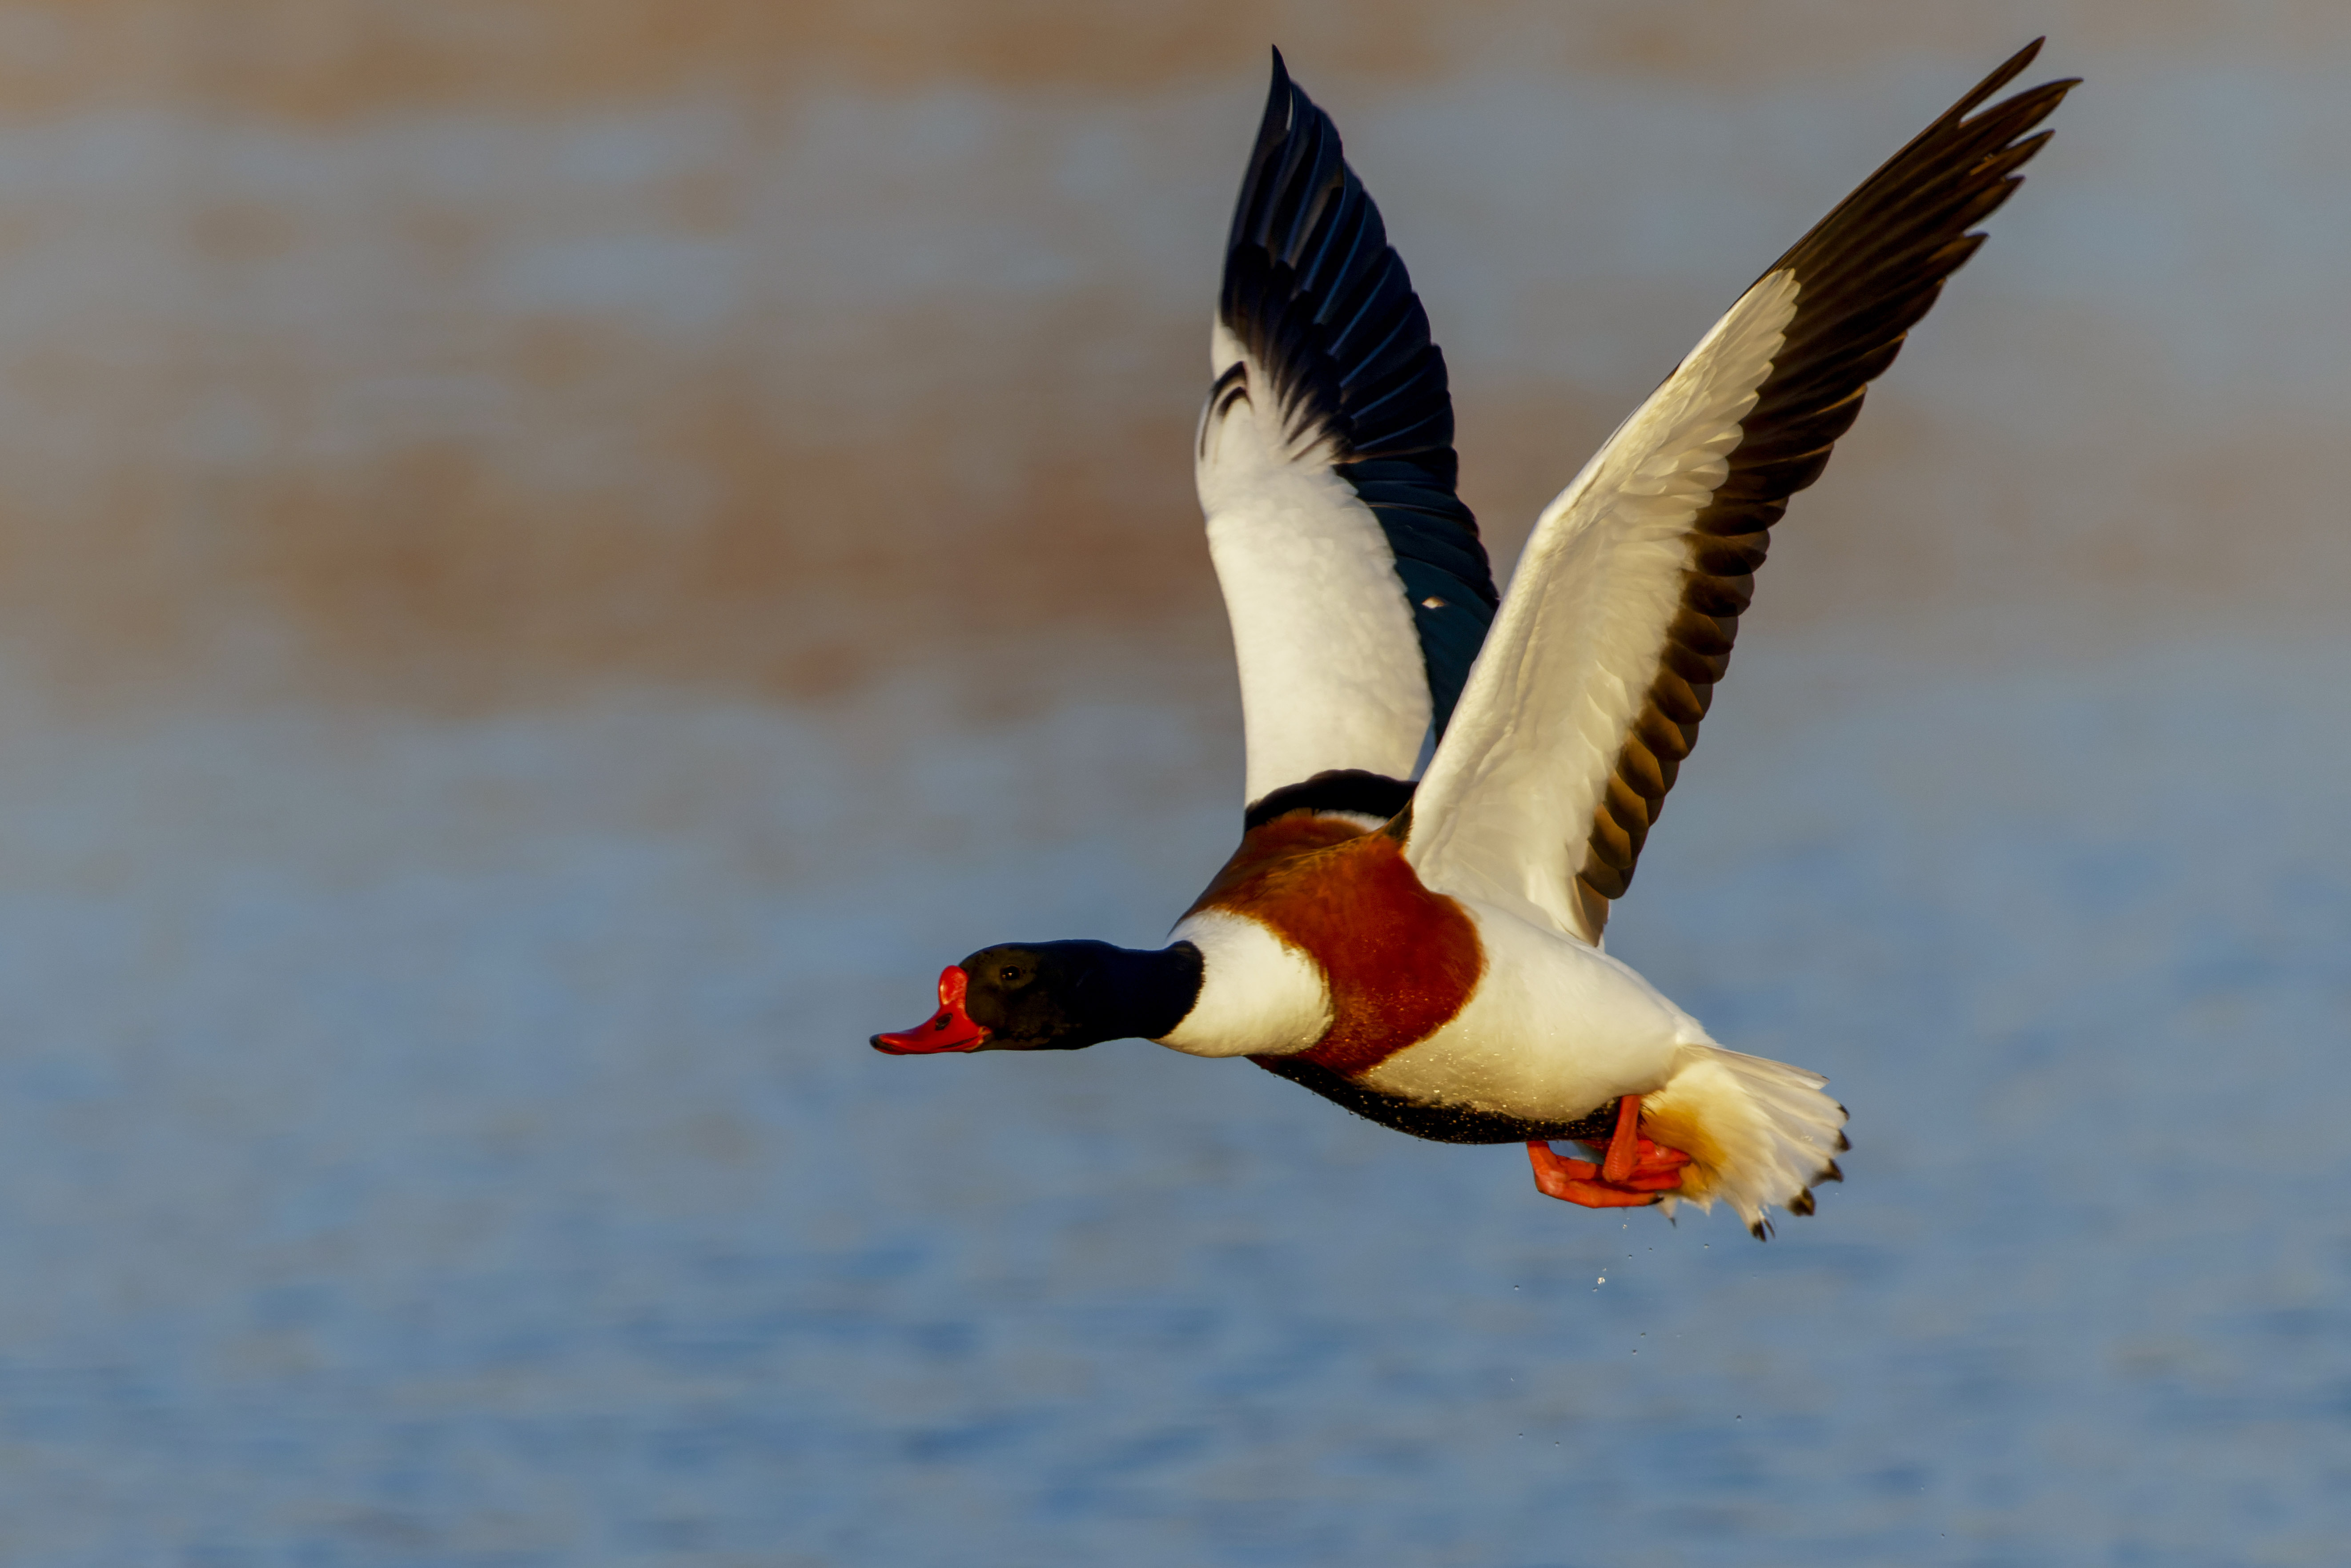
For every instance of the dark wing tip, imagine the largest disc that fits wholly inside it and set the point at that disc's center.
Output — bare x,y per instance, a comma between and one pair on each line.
2007,71
1953,155
1278,94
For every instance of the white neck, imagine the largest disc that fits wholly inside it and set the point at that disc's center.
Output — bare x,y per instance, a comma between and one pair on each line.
1258,994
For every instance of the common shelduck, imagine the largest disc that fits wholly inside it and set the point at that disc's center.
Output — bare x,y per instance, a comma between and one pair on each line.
1429,955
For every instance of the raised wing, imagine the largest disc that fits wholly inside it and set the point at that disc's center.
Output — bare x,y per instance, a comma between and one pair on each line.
1623,610
1358,590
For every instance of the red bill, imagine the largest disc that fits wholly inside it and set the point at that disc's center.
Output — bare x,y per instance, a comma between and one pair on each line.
949,1029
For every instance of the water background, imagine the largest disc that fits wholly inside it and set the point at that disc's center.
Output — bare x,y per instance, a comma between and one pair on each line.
561,566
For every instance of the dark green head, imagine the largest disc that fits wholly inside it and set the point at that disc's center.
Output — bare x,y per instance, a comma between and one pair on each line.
1054,996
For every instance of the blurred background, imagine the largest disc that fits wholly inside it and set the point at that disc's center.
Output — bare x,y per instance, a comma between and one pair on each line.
558,560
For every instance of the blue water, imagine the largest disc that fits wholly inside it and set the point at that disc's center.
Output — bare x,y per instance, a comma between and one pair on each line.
438,1142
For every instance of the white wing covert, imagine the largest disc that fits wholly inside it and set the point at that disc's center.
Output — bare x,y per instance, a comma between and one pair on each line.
1353,575
1623,610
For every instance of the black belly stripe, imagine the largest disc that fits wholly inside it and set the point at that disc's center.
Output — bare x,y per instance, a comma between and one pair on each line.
1437,1123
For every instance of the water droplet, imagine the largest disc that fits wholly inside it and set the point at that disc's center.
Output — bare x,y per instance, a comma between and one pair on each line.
1432,603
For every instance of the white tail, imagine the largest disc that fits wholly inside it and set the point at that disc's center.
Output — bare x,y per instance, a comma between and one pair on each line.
1757,1132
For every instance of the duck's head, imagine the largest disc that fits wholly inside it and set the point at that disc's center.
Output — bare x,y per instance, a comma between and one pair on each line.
1054,996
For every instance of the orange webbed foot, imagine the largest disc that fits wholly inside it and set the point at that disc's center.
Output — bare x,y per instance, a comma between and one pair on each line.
1632,1174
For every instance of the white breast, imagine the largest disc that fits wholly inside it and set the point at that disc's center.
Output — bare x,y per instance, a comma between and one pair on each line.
1555,1029
1258,996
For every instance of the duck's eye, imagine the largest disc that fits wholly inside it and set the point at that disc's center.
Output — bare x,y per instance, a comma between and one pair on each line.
1009,973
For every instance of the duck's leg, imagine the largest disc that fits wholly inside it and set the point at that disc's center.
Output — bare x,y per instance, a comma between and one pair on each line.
1632,1174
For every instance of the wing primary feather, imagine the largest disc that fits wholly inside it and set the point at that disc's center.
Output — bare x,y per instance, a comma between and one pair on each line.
1324,312
1866,274
1591,689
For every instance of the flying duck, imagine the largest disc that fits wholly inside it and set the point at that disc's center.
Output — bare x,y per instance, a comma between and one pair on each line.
1429,955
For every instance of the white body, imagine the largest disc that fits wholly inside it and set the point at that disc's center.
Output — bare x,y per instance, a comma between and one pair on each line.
1555,1029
